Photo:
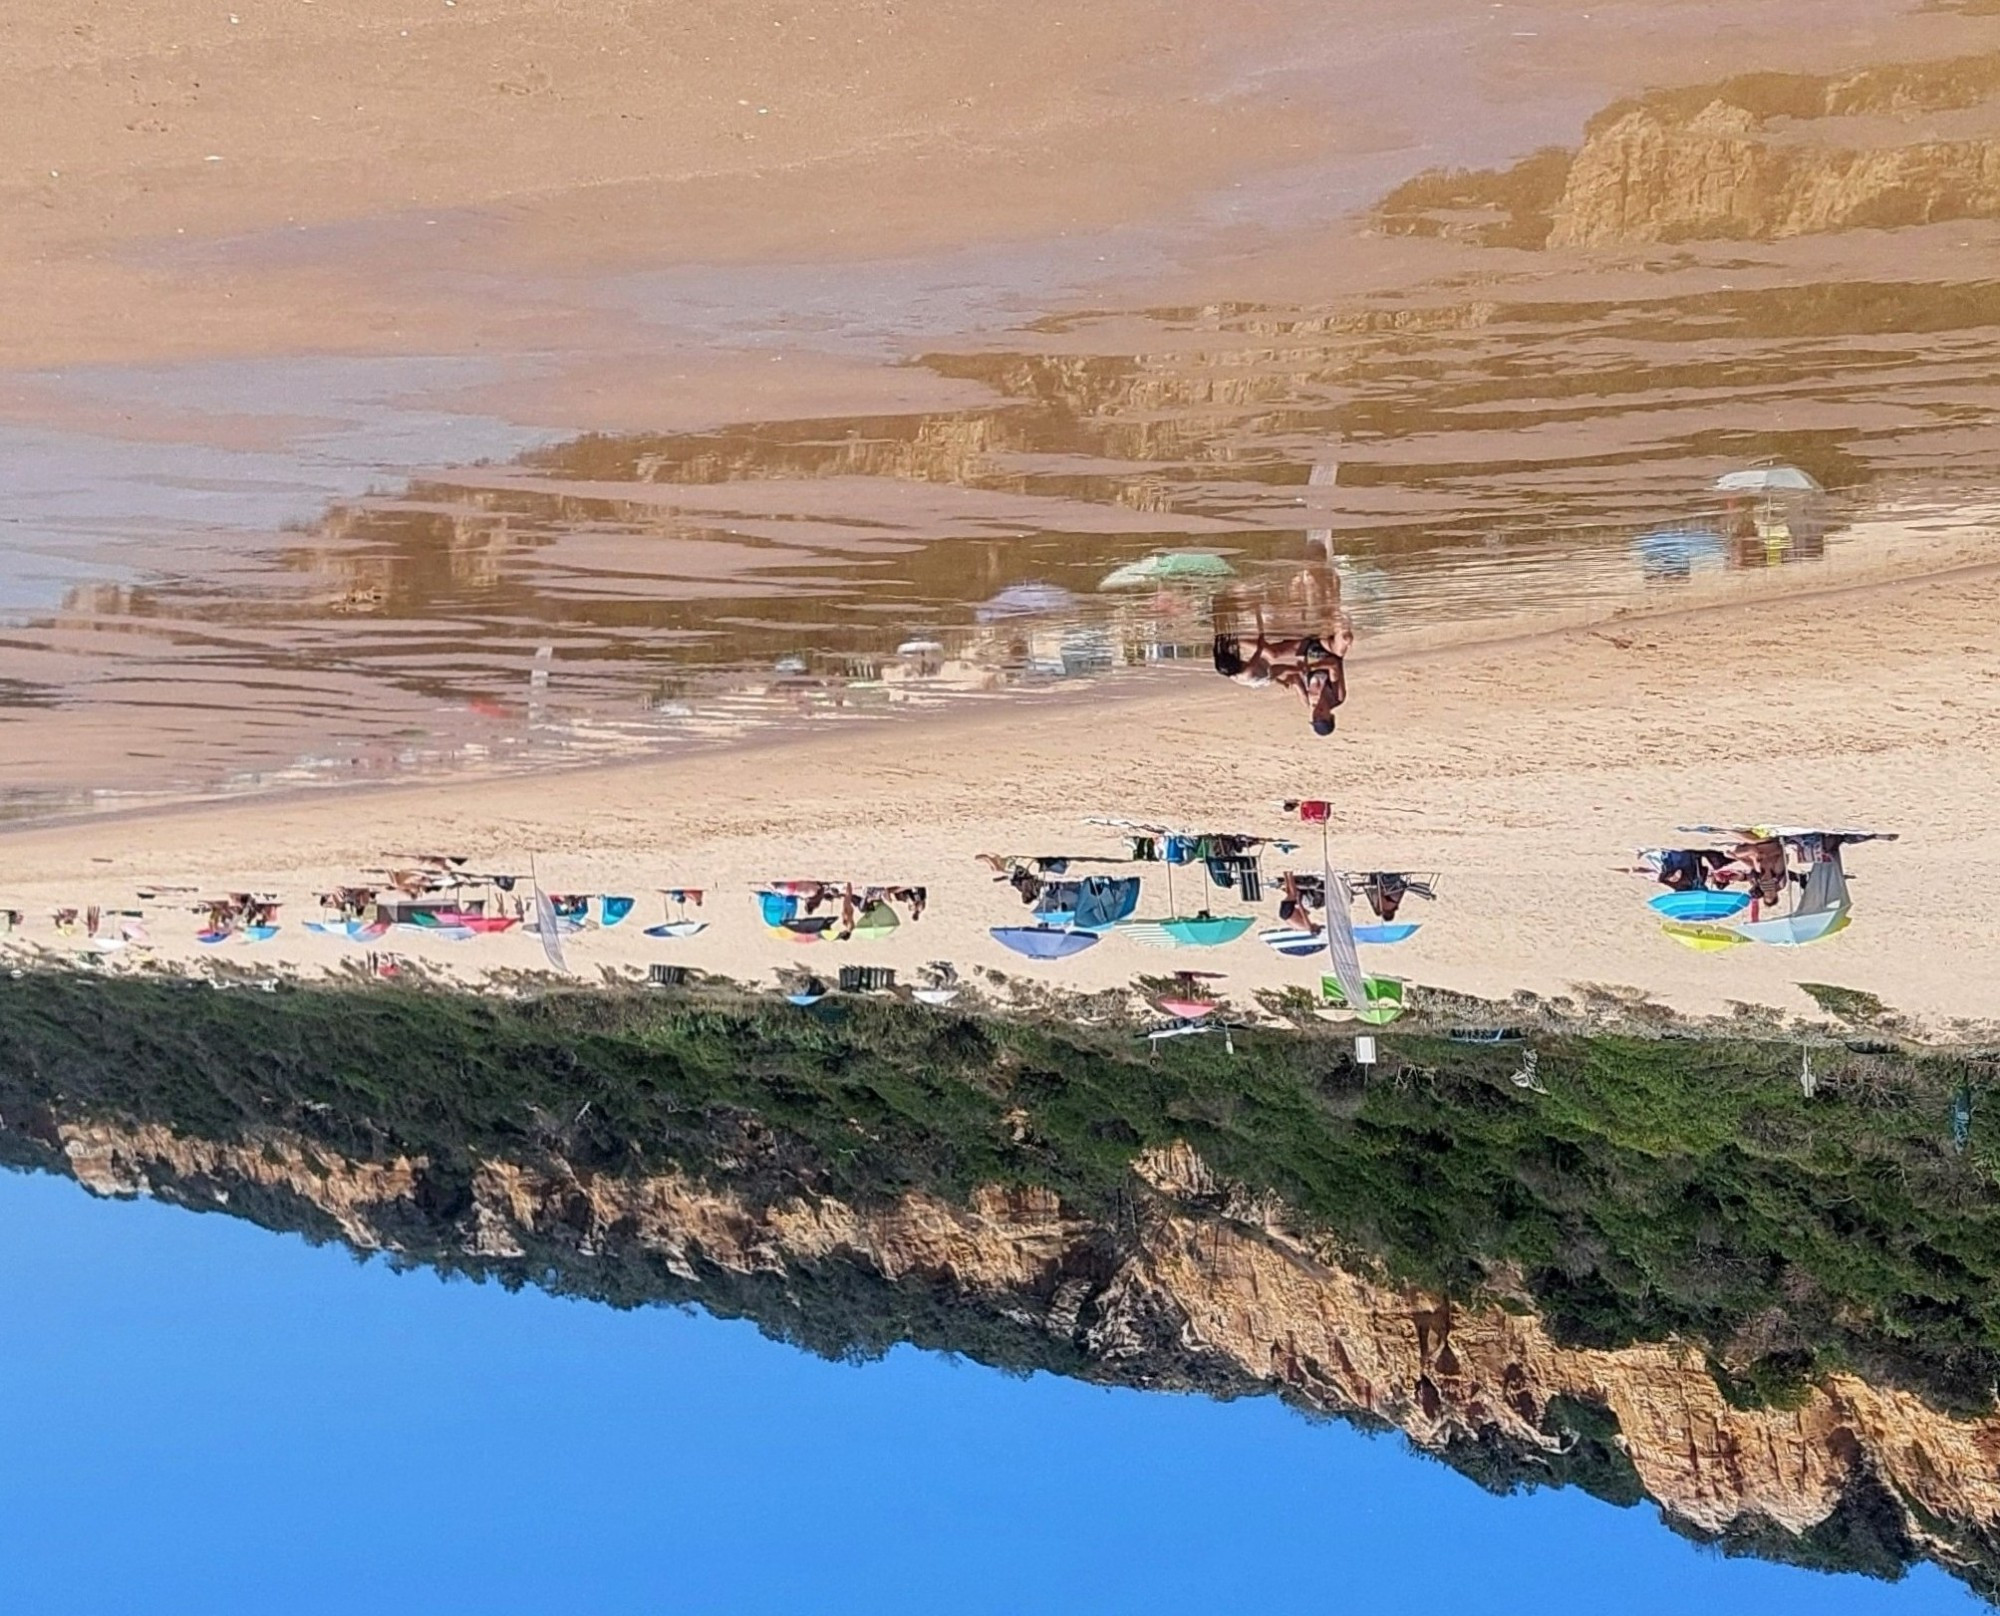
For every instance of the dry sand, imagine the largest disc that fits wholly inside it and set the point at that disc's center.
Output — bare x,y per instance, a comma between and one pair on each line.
1524,769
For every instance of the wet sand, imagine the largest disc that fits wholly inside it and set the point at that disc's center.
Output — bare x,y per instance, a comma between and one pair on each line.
1524,769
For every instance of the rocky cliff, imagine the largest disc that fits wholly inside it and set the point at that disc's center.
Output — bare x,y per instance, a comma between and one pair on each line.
1759,158
1202,1285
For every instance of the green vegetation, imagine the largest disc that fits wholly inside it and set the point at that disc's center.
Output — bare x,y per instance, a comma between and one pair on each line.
1660,1186
1652,1186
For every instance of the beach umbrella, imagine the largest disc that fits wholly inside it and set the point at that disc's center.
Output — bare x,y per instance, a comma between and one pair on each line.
776,907
678,929
878,920
487,925
1399,931
1701,938
1795,930
1768,480
612,910
1044,942
804,1001
936,996
1186,1009
1292,941
1699,905
806,929
1188,931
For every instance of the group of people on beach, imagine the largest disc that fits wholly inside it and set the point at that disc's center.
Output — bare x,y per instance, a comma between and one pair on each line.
1767,866
1302,900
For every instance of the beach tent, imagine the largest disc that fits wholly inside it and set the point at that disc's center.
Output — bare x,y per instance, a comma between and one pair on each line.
877,921
1104,900
1381,998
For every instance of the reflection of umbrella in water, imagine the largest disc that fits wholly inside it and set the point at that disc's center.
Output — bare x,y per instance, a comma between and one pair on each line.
1166,566
1676,551
1768,480
876,921
1044,942
1024,600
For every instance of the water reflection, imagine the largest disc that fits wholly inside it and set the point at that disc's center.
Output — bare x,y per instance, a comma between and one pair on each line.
1461,459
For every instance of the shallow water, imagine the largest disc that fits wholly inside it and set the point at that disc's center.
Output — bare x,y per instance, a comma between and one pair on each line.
1463,461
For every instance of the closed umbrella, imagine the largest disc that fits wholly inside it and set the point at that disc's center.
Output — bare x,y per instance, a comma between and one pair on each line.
1044,942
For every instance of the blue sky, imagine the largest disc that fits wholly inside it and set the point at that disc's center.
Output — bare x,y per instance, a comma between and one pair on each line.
204,1417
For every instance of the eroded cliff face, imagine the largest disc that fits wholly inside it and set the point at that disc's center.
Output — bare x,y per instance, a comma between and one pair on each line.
1725,173
1757,158
1204,1280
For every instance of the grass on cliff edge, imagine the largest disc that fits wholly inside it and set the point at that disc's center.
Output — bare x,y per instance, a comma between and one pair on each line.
1659,1186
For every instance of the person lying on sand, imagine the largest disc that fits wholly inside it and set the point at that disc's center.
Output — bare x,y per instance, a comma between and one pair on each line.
1302,895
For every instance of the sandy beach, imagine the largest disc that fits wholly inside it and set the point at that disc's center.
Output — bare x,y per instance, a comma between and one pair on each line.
1525,769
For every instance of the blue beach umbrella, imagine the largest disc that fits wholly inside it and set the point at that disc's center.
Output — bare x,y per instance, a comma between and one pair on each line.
1399,931
1700,905
1044,942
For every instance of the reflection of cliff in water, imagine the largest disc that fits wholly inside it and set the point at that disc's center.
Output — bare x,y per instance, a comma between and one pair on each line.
1515,433
1669,1277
